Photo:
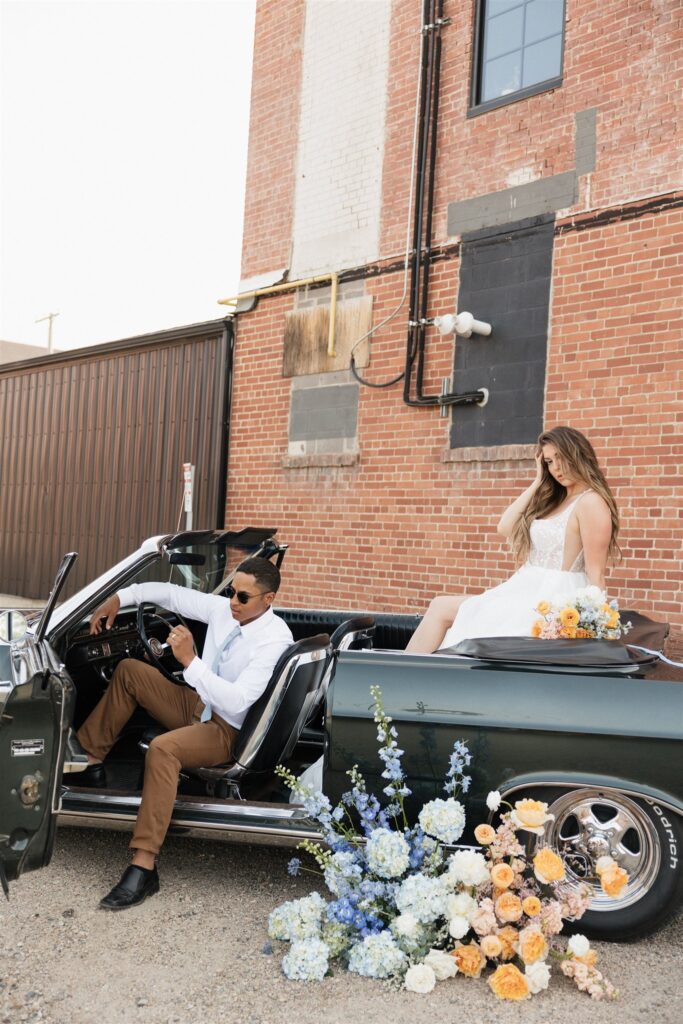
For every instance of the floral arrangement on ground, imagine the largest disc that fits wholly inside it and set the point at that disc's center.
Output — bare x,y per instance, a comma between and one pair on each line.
587,614
403,905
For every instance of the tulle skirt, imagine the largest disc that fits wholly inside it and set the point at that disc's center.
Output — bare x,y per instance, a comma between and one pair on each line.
509,609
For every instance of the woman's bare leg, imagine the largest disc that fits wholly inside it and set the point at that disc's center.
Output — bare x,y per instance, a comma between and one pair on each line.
437,621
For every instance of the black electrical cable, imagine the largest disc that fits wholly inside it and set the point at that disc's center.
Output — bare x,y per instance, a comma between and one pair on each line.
368,383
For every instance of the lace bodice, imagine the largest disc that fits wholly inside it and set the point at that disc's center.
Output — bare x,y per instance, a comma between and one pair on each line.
548,539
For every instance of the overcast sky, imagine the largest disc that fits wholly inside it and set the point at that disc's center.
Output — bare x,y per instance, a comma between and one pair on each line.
123,137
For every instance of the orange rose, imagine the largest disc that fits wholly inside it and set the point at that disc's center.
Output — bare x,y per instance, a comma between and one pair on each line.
548,867
484,834
508,907
568,633
583,634
532,945
613,879
543,607
531,905
508,982
469,959
491,946
537,627
569,617
509,937
502,876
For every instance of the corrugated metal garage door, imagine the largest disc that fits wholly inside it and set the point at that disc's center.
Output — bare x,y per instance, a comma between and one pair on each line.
92,445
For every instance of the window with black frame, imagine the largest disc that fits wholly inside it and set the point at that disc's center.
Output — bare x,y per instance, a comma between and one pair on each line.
518,52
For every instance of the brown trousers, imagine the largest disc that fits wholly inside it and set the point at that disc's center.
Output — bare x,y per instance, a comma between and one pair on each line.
189,744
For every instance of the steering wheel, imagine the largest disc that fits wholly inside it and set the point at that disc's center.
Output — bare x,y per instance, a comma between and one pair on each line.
154,648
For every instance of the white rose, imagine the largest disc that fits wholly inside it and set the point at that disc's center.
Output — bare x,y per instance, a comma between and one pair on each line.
493,800
461,904
443,965
578,945
458,927
405,925
468,867
537,976
602,863
420,978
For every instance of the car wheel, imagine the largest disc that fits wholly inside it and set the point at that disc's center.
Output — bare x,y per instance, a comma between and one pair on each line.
642,837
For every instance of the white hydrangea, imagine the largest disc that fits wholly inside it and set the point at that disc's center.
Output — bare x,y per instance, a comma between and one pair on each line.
420,978
377,956
307,960
422,897
467,867
297,919
387,853
405,926
461,904
443,819
537,976
442,963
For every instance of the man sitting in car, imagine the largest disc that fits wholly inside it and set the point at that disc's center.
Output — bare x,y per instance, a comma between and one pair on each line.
244,640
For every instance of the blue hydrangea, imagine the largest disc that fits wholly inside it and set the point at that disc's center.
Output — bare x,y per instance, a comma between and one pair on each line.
342,873
377,956
297,919
387,853
307,960
443,819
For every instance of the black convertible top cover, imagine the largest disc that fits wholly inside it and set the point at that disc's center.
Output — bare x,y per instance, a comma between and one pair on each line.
527,650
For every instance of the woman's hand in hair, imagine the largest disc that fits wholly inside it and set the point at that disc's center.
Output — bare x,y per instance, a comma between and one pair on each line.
538,459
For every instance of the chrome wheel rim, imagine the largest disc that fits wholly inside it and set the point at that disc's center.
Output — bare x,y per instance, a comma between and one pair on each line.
589,824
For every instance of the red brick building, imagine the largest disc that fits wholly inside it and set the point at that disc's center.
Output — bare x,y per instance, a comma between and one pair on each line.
554,196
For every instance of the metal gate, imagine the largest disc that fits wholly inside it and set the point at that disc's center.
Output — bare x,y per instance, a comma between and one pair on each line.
92,444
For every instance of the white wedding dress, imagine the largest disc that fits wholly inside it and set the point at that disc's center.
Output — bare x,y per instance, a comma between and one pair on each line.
509,609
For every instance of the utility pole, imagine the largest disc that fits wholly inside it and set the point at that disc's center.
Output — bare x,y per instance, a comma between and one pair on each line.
50,317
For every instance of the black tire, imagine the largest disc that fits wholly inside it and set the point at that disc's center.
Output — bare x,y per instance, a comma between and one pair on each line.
640,835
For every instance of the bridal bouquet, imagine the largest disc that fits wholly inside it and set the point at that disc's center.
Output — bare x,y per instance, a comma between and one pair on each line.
585,615
402,905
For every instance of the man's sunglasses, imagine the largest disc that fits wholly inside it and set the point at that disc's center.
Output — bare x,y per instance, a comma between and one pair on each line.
242,596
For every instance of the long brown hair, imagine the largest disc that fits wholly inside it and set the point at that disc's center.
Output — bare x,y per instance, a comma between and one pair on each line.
579,459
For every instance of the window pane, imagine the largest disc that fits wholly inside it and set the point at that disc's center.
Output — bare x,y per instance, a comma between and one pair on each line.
502,76
543,18
542,61
494,7
503,33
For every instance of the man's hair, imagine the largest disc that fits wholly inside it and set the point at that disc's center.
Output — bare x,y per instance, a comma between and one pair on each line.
264,572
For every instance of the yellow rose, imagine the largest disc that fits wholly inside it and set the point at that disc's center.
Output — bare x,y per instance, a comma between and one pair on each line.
569,617
491,946
509,937
583,634
508,982
531,905
543,607
530,815
484,834
606,608
613,620
569,632
502,876
532,945
508,907
613,879
469,959
548,867
537,627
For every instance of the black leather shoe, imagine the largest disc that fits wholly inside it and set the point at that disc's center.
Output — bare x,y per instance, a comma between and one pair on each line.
93,776
135,886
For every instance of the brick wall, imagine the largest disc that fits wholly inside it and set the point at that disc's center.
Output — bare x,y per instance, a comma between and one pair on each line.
409,517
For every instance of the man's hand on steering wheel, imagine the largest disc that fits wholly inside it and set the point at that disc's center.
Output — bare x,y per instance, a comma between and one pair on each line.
105,614
182,645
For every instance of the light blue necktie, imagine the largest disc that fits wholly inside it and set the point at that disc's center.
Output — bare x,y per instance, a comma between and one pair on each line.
232,635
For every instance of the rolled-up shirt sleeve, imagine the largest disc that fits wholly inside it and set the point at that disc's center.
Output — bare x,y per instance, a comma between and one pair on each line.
233,697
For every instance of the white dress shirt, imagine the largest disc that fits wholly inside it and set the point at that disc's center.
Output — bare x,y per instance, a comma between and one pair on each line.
245,666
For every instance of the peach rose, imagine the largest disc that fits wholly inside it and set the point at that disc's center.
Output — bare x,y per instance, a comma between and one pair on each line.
508,907
532,945
569,617
569,633
530,815
531,905
537,627
491,946
469,959
484,834
613,879
502,876
583,634
509,936
590,959
543,607
508,982
548,867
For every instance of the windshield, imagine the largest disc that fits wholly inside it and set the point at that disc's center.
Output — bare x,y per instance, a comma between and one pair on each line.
206,567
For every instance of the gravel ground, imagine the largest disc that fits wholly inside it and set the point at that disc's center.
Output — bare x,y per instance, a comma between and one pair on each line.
199,952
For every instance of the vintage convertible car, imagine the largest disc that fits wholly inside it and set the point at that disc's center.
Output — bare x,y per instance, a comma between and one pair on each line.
597,737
